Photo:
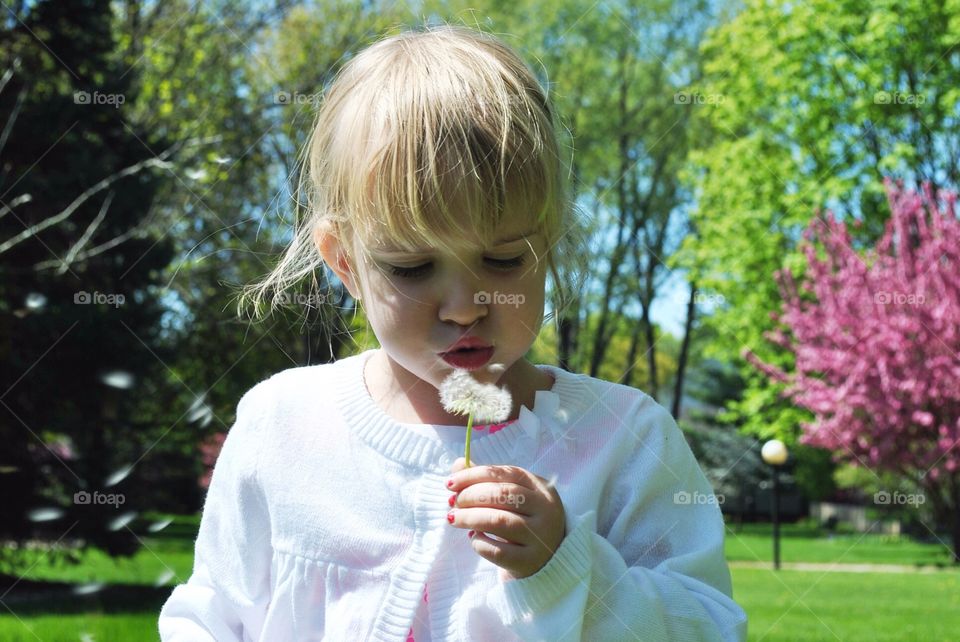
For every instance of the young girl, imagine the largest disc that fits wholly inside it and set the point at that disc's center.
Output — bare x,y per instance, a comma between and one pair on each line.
339,507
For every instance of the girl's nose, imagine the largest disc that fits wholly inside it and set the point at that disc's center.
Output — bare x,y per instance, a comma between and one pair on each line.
462,299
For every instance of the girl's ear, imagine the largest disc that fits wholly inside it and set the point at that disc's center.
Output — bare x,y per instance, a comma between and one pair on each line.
334,254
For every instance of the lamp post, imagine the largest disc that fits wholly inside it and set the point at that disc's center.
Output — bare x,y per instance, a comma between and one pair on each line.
774,452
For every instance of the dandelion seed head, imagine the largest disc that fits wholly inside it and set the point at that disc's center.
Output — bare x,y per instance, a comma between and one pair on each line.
461,394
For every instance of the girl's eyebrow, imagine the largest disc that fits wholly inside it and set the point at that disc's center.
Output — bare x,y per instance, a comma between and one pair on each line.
515,238
389,249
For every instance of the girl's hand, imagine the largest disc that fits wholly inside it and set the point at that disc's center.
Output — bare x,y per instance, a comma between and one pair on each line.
511,503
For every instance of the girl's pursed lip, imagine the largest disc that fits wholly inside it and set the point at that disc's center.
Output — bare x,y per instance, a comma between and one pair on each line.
467,343
468,359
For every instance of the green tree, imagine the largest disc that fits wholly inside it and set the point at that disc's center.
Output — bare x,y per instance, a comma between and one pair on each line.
194,66
613,72
76,311
819,100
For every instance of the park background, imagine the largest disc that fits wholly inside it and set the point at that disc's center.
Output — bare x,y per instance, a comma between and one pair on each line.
774,255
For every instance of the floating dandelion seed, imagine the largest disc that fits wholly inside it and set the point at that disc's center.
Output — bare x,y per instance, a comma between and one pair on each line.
119,379
122,520
44,514
164,578
117,476
88,588
156,527
461,394
35,301
200,411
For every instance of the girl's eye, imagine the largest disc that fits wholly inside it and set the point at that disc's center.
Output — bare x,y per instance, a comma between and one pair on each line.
411,272
507,264
420,270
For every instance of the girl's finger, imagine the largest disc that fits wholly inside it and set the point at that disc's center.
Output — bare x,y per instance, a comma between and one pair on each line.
502,523
476,474
504,496
500,553
458,464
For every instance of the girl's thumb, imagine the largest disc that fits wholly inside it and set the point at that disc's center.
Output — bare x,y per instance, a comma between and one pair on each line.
458,464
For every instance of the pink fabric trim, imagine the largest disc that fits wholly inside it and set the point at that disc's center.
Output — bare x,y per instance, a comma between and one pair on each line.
494,427
410,634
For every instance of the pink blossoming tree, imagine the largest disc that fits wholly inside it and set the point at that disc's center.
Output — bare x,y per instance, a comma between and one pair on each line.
876,341
210,449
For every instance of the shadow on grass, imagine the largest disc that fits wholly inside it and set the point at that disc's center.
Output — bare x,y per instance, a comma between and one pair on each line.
33,598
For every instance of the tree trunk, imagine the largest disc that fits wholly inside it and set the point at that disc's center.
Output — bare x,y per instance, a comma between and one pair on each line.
955,518
631,364
956,538
565,334
684,351
601,340
650,333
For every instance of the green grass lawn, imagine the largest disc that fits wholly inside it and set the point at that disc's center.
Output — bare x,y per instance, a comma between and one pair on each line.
793,606
803,543
151,564
126,610
784,606
91,627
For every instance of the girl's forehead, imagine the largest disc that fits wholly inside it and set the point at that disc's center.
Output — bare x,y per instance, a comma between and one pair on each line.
465,241
451,232
388,245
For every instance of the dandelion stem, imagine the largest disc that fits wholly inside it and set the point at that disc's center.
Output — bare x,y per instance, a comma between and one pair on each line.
466,454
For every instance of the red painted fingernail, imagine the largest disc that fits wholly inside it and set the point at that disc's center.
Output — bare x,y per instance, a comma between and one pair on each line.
452,500
470,534
449,483
450,517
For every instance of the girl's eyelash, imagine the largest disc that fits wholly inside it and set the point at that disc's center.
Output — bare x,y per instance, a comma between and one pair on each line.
420,270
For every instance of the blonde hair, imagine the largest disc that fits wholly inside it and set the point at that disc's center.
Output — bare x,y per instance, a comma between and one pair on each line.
421,136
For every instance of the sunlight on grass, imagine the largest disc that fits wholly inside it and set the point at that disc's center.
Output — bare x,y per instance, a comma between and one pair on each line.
786,606
792,606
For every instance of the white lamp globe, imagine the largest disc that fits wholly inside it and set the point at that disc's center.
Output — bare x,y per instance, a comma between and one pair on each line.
774,452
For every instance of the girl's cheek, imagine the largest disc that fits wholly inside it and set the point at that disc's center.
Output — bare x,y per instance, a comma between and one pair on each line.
394,285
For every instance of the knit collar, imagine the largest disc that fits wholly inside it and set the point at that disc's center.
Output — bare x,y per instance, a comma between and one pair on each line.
550,419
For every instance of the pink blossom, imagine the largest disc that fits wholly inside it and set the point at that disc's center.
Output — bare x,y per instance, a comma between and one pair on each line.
877,349
210,450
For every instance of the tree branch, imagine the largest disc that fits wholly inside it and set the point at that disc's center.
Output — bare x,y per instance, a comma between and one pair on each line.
158,161
72,253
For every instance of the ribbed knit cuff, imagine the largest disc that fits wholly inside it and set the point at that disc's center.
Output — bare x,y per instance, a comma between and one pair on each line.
570,566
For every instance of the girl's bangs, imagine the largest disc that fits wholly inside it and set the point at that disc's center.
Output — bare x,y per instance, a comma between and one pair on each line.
447,160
